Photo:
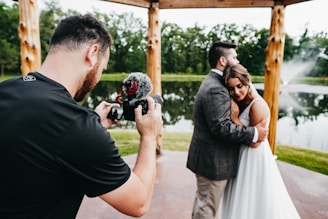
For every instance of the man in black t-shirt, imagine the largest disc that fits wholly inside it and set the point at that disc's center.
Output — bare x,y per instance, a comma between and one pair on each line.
53,151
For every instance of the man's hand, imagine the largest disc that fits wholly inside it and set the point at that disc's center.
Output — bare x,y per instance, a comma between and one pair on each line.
150,123
102,110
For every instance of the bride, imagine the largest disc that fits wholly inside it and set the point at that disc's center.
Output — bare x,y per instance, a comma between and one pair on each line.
258,191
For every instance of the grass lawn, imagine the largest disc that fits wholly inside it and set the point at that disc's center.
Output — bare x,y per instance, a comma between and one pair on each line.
128,141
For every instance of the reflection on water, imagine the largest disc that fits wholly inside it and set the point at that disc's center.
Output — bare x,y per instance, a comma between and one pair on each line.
307,133
303,113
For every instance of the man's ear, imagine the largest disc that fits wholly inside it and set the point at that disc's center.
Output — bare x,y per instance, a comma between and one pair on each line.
222,61
92,55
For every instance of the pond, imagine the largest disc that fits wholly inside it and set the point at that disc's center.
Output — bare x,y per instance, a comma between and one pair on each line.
303,110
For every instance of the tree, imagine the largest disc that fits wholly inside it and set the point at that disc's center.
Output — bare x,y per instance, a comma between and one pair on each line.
290,48
251,46
321,56
195,47
128,53
173,53
9,43
49,18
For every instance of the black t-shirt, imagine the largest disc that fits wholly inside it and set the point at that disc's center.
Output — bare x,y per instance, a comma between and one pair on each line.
52,151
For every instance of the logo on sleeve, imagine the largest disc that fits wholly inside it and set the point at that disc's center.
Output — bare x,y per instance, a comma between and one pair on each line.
29,78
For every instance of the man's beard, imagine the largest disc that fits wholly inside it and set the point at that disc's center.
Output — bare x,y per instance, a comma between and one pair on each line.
88,84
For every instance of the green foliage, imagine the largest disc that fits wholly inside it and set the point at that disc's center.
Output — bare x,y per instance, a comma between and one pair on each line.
128,54
252,44
173,53
9,43
9,58
48,20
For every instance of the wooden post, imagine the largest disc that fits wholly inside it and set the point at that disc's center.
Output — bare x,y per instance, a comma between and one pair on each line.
154,56
154,48
29,36
274,58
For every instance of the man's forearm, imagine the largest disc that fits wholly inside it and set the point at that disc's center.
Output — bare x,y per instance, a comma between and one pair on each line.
145,167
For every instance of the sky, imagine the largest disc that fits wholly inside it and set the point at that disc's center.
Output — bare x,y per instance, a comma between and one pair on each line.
311,14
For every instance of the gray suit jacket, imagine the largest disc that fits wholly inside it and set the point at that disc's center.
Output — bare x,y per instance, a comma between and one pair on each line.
214,147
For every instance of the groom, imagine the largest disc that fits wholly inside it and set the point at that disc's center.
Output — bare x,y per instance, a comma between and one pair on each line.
214,148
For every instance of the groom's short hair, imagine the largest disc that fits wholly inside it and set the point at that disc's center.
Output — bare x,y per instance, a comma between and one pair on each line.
217,50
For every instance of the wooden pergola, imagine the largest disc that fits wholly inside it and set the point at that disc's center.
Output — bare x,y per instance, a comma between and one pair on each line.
31,57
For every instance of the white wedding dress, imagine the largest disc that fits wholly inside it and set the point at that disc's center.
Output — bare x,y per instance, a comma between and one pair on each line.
258,191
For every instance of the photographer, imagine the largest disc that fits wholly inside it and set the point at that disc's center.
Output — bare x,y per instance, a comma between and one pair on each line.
53,150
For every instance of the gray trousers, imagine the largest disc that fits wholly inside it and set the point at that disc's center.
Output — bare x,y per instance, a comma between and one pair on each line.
207,197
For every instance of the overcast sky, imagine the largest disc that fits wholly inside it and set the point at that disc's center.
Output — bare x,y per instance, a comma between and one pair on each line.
312,14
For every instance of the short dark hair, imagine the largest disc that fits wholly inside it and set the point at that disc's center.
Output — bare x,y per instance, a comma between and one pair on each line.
74,31
217,50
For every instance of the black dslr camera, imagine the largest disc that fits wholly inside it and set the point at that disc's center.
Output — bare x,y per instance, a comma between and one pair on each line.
136,87
127,111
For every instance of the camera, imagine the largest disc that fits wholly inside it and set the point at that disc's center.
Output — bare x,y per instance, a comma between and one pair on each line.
135,88
127,111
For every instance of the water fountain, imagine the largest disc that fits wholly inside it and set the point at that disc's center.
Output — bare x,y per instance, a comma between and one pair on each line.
301,132
295,68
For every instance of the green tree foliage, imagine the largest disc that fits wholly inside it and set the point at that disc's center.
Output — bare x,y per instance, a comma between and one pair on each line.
321,44
290,48
196,43
182,50
251,48
48,20
128,54
173,54
9,43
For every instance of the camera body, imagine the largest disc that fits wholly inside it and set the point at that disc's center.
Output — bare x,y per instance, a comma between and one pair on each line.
127,112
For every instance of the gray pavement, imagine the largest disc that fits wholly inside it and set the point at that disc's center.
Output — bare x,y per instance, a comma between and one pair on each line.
175,188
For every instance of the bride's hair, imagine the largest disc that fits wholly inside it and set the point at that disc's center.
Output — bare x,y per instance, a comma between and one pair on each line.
237,71
240,72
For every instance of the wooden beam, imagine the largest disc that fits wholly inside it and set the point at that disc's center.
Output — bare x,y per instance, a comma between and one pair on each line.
274,58
138,3
171,4
29,36
214,3
292,2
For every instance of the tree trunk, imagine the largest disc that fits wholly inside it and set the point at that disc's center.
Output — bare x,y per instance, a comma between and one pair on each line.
2,70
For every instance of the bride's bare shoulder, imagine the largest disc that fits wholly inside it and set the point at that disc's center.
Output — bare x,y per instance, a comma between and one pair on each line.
259,111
